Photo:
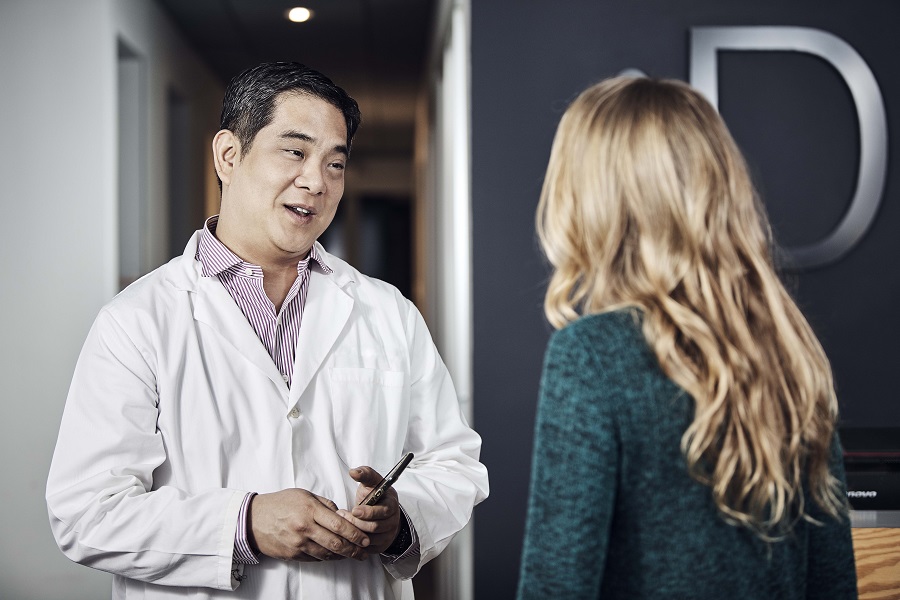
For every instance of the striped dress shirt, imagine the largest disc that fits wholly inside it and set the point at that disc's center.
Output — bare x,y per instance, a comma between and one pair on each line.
278,330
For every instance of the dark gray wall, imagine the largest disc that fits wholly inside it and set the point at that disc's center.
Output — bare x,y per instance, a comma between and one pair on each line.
793,116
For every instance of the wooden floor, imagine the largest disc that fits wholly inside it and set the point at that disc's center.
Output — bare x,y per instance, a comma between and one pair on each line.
877,554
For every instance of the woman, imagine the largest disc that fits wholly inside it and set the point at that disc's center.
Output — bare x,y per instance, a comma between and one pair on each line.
685,443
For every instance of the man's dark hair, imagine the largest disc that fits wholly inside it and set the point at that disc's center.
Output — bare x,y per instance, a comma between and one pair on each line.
249,103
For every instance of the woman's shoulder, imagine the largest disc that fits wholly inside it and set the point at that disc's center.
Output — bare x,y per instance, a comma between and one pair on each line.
609,333
607,346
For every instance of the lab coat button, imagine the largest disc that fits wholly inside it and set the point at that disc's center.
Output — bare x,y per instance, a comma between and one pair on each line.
294,413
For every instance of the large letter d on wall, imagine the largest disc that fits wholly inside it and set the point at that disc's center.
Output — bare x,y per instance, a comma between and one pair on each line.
707,41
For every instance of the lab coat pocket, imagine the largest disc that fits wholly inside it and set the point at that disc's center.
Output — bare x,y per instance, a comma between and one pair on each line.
369,416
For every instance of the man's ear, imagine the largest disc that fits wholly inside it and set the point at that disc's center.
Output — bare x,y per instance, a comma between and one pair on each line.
226,152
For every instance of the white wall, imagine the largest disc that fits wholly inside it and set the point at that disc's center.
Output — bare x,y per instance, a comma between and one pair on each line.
58,238
170,63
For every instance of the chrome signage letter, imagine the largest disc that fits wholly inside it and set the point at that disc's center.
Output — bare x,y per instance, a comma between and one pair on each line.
707,41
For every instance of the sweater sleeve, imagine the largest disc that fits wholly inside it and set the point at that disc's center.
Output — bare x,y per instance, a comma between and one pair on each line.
573,477
831,570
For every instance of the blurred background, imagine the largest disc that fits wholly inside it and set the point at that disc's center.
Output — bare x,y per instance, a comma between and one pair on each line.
108,109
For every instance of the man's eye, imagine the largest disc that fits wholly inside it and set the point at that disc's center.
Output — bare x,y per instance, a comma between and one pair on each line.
297,153
339,166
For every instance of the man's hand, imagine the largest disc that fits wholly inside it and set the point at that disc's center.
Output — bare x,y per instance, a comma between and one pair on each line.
295,524
382,521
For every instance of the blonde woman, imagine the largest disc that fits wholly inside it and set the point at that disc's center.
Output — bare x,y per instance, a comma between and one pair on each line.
685,444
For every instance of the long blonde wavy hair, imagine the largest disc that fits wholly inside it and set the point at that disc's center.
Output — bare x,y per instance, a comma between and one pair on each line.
647,203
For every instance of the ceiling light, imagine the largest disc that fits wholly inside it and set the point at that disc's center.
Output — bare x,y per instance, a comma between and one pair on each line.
299,14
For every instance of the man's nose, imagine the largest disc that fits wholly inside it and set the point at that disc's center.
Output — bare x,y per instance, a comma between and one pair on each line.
311,179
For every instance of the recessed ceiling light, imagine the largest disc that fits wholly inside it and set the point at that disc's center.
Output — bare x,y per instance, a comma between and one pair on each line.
299,14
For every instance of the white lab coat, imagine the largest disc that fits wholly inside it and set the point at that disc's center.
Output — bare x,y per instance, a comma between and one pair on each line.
176,411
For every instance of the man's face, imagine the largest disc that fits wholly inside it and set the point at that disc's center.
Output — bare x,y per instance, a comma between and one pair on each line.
282,194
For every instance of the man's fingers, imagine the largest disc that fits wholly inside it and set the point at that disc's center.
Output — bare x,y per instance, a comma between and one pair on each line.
369,526
328,503
296,524
366,475
314,551
340,529
378,512
331,537
322,553
322,543
381,532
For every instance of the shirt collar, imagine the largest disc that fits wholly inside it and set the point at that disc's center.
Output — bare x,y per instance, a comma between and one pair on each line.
215,258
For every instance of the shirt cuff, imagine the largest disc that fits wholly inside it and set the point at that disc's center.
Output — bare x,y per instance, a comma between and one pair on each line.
243,553
412,549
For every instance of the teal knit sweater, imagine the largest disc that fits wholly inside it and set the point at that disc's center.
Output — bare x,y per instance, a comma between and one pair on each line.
612,511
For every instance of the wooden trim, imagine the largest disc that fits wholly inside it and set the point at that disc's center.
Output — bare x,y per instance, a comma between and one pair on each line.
877,552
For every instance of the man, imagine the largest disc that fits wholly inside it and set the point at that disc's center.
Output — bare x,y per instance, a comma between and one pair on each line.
229,410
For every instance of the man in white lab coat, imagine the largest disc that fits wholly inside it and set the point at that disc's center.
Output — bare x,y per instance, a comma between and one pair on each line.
229,410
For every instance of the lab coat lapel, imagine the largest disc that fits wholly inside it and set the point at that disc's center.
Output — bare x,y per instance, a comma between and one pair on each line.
326,312
214,307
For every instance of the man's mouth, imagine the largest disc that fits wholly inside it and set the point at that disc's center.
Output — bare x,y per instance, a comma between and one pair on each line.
301,211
